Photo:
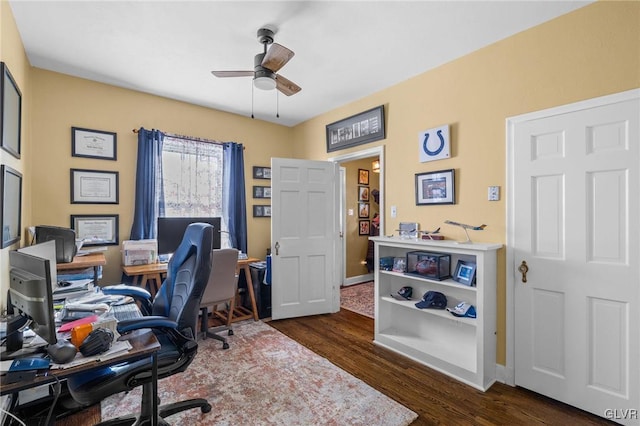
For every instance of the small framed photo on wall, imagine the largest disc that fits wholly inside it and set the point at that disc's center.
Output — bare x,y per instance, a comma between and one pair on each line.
363,227
363,193
363,177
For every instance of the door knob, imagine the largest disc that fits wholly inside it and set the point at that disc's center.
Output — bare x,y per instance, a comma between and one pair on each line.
277,247
523,268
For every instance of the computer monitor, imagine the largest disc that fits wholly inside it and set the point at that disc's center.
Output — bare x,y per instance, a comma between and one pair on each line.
65,239
171,230
30,289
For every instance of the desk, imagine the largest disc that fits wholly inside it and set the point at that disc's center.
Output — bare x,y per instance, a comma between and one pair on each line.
142,273
93,260
143,343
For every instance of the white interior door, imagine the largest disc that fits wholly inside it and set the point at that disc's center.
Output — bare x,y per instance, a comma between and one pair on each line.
576,224
305,232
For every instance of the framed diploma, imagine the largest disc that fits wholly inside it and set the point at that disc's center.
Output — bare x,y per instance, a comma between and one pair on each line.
10,205
96,229
93,144
10,113
94,187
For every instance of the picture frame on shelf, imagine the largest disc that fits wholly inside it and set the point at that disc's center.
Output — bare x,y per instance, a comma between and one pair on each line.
465,273
94,186
363,227
363,177
260,172
435,187
261,192
11,205
261,211
11,118
96,229
363,210
363,193
365,127
88,143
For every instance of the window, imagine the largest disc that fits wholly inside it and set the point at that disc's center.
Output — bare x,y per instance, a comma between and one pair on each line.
192,179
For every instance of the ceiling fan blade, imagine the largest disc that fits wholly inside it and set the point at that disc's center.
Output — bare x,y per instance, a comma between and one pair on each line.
232,73
277,56
286,86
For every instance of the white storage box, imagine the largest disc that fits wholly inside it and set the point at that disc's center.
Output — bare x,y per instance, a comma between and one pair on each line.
139,252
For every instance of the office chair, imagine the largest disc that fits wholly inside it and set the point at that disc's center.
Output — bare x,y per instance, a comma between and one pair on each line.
222,287
173,319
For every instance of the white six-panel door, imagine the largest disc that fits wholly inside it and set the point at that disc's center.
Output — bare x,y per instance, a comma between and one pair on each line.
305,237
576,224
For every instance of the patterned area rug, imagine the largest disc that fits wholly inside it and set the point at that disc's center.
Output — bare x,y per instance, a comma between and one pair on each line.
266,378
358,298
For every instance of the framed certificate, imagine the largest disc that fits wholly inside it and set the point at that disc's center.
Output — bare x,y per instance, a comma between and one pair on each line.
93,144
10,205
96,229
94,187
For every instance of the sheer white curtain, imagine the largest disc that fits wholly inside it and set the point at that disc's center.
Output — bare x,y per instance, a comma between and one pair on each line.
192,180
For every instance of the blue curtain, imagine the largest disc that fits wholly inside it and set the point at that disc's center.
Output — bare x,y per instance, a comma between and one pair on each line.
149,201
234,204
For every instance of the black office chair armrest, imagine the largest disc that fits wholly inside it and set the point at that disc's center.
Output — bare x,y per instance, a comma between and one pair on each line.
139,295
154,321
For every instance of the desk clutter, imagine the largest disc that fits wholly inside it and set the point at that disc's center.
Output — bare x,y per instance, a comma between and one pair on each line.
86,331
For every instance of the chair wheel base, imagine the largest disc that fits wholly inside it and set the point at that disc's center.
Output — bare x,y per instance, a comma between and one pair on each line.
225,345
230,332
205,408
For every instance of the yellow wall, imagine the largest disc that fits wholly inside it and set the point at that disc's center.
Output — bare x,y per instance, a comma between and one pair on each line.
61,101
591,52
588,53
13,55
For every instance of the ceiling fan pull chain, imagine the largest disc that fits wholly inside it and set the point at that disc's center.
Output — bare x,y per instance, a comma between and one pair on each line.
277,104
252,101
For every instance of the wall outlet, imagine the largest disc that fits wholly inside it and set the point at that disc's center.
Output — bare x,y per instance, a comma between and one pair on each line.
494,193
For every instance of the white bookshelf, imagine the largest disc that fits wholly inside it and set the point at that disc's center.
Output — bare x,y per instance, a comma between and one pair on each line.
463,348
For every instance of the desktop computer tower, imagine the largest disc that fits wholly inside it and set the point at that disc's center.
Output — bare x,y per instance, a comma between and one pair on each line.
261,290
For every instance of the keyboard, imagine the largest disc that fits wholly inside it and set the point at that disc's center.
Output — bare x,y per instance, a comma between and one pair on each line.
126,312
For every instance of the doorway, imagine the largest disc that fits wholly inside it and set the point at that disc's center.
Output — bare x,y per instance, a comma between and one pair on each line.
361,209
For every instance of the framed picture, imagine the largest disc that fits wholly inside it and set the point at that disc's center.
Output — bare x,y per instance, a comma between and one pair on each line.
261,172
465,273
261,211
94,187
435,187
363,177
11,116
358,129
363,227
363,193
261,192
93,144
363,210
11,207
96,229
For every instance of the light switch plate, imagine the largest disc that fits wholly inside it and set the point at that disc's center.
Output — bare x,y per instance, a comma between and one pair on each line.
394,211
494,193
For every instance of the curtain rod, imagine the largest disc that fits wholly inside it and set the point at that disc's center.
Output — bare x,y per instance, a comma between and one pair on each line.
189,138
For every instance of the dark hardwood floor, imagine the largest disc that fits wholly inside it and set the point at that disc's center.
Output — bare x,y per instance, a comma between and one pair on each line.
345,338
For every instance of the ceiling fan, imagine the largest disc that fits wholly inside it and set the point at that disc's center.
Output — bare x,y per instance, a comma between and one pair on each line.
266,65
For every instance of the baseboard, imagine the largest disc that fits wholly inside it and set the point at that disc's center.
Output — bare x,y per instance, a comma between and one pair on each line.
505,375
357,280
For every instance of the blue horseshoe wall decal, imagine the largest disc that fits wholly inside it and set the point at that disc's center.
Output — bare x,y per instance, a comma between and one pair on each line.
440,148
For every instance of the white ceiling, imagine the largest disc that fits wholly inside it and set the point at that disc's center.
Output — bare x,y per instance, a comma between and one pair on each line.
344,50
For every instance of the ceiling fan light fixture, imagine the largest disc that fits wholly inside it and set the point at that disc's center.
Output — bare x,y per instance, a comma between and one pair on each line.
264,83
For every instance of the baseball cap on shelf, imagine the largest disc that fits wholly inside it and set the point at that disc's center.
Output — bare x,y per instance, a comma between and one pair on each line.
463,309
403,294
432,300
